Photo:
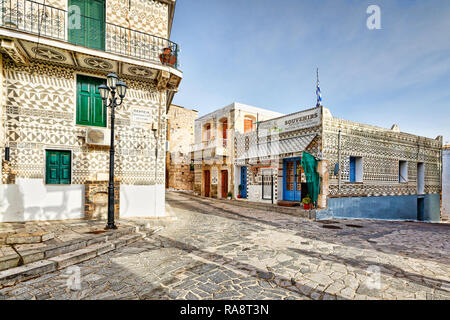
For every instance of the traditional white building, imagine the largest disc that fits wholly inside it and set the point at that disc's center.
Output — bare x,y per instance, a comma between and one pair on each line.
214,148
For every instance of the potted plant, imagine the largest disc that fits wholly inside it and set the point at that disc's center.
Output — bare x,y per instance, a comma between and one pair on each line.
230,195
306,202
167,57
240,189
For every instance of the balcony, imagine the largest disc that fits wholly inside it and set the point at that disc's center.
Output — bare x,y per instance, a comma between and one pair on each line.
58,24
212,148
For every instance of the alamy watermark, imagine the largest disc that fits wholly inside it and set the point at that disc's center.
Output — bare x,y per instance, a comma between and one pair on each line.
373,280
374,19
74,17
74,280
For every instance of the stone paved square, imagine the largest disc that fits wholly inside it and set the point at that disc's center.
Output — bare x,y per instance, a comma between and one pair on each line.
219,250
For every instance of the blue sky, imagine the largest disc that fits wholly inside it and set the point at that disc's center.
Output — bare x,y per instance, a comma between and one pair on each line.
265,53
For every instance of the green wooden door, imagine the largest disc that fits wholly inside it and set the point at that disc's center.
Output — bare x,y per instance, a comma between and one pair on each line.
58,167
92,24
90,108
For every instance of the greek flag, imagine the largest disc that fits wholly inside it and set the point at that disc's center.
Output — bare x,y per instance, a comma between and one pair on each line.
318,92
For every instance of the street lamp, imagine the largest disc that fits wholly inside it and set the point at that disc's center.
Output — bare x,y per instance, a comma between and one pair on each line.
109,92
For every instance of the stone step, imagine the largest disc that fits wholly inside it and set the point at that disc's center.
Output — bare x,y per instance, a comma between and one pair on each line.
35,269
28,238
23,257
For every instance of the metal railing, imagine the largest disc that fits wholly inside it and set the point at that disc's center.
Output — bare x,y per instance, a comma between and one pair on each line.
47,21
207,144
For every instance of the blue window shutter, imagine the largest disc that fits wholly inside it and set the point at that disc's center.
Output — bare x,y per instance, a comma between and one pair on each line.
352,169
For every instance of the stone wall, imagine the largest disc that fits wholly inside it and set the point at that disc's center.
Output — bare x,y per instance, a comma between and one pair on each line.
180,129
180,135
96,200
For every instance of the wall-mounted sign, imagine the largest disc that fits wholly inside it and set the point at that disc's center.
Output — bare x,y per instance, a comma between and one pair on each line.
292,122
141,115
214,175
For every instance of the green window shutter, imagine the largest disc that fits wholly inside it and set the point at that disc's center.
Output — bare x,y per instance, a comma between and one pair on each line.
65,167
90,108
92,31
83,102
78,36
96,24
52,167
98,109
58,167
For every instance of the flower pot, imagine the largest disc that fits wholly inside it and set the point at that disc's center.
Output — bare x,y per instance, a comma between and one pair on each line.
167,57
306,206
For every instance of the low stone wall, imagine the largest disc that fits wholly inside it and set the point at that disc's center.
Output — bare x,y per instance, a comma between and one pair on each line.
386,207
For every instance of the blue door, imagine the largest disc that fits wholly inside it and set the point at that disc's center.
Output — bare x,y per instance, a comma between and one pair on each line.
352,177
244,182
292,180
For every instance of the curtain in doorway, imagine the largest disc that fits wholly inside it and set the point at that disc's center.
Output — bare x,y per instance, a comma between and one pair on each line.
309,164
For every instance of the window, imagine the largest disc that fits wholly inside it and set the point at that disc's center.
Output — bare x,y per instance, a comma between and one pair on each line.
57,167
224,129
248,124
90,108
91,33
420,178
208,132
356,169
403,171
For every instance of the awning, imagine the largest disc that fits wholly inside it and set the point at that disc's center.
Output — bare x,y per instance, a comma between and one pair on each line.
278,147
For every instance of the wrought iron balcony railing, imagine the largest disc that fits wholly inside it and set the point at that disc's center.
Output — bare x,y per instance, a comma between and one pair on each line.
47,21
220,146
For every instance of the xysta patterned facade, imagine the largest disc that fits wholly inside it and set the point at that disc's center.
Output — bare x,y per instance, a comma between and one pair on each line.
364,171
54,133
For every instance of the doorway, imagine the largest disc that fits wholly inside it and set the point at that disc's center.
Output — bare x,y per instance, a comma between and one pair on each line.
292,180
224,183
420,209
244,182
207,177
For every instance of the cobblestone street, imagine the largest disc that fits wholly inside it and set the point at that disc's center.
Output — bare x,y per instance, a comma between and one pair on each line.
217,250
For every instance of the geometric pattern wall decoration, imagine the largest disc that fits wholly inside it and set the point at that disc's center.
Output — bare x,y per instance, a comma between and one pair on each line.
381,150
147,16
39,111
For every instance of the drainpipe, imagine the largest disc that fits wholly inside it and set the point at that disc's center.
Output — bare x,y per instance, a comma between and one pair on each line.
339,161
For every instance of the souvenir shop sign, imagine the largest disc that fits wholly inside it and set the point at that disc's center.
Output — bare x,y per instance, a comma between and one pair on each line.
292,122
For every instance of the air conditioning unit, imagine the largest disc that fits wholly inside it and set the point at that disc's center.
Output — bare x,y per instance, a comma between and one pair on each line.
98,136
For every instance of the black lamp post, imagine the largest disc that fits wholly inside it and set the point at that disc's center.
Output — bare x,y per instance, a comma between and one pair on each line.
109,92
